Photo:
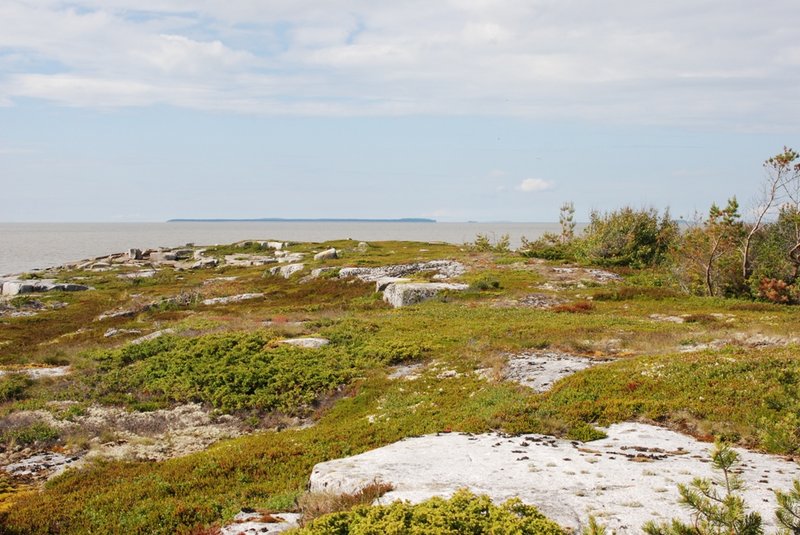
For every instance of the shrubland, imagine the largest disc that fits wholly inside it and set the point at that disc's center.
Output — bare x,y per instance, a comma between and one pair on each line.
681,358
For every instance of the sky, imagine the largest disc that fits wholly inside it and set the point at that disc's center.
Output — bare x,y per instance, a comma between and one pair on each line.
145,110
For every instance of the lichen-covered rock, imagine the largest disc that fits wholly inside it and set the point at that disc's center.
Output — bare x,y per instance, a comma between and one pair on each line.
400,294
287,270
445,269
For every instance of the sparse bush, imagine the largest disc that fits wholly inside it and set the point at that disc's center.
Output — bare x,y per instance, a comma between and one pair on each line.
549,247
484,283
714,512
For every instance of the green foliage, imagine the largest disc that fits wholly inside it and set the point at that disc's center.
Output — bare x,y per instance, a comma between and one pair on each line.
788,513
628,237
486,243
594,527
716,505
484,283
464,513
550,247
13,386
238,371
566,218
29,434
707,258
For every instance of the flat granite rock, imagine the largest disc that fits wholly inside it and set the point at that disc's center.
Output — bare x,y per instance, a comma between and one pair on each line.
624,480
541,369
254,523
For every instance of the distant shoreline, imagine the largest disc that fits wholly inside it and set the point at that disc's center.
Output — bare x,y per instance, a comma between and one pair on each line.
321,220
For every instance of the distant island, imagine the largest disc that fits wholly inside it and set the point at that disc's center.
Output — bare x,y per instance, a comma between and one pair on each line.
321,220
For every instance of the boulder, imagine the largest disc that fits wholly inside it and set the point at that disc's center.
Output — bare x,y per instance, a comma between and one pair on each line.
327,254
286,271
403,294
134,254
277,245
307,342
183,254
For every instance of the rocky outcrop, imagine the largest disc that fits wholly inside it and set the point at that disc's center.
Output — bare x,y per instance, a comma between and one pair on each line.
249,260
327,254
16,287
445,269
400,294
286,271
624,480
231,299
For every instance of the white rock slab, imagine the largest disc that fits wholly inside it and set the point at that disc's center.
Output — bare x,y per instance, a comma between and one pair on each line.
541,369
39,373
253,524
624,480
49,463
308,342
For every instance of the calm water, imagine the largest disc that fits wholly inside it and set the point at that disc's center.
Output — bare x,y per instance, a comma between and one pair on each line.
26,246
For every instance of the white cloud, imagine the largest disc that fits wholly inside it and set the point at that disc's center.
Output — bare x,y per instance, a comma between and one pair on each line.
682,62
535,184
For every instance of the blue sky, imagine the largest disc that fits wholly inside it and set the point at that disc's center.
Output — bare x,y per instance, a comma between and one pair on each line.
117,110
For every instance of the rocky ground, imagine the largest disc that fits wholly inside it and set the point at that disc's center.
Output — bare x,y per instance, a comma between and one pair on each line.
535,324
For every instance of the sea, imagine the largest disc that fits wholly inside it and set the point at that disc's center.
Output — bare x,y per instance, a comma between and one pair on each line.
28,246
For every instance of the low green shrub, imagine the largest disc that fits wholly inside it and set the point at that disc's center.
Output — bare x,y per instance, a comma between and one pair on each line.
13,386
463,513
484,283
